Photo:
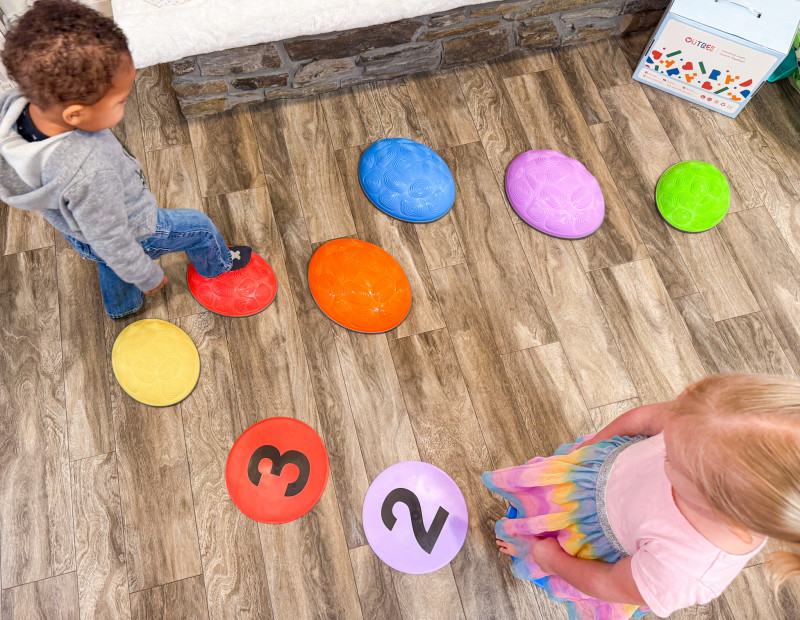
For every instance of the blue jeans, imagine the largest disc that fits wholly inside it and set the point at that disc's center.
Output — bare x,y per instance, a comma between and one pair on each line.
177,230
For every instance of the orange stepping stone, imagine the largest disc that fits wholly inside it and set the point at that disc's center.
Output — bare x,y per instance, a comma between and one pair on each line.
359,286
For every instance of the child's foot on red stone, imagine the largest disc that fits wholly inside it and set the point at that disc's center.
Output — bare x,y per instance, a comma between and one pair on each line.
240,256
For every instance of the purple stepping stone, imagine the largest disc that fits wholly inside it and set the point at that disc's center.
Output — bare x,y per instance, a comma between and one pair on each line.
555,194
415,517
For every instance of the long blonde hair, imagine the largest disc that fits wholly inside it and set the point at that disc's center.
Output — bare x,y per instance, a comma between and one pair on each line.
742,450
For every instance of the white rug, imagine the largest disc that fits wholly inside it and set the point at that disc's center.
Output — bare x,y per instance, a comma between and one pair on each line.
165,30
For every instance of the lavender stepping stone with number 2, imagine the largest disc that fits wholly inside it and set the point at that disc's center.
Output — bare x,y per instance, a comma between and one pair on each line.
555,194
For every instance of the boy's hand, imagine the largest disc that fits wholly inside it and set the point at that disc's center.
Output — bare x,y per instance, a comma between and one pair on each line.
158,288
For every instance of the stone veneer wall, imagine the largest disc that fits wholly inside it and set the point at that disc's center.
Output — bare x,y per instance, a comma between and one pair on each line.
218,81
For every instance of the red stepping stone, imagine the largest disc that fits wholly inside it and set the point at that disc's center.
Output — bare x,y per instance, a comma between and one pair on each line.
277,470
239,293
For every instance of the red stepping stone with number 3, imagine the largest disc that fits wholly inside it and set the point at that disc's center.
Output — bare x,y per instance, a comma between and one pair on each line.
277,470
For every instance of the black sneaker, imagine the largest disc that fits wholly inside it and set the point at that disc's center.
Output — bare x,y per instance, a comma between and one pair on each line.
240,256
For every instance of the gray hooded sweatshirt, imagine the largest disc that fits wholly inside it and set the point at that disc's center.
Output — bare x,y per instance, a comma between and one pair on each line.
87,186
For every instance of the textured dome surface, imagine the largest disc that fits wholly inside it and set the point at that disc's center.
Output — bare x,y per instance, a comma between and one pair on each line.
155,362
239,293
407,180
359,285
693,196
555,194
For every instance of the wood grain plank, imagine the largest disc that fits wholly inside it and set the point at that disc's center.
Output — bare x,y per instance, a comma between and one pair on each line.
36,525
720,281
545,390
649,331
173,181
443,115
582,329
396,110
352,116
603,416
86,392
504,428
333,406
552,119
173,601
56,597
226,137
608,63
400,240
641,205
704,332
750,596
230,549
780,195
449,437
498,126
99,538
379,412
695,137
746,122
522,62
440,244
319,183
281,183
774,113
279,380
753,345
313,545
428,596
582,85
707,258
632,47
23,230
514,306
172,175
162,122
641,130
160,530
374,581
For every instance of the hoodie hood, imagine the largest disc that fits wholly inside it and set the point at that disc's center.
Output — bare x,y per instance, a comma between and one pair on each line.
23,179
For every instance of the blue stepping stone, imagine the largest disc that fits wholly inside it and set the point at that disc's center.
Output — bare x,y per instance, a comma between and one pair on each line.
407,180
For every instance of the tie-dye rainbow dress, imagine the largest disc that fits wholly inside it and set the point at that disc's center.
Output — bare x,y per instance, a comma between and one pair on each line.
563,496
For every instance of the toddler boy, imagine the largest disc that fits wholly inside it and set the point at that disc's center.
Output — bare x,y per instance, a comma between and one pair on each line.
58,156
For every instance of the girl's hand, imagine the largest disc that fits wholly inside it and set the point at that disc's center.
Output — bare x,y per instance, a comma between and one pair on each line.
546,551
598,579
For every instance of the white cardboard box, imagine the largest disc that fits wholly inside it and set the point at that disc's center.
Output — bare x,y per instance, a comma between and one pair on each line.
717,53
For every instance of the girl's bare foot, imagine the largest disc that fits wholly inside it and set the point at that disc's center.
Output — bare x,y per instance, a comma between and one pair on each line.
505,547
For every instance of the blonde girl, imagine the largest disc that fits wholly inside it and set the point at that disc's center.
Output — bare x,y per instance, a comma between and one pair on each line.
662,508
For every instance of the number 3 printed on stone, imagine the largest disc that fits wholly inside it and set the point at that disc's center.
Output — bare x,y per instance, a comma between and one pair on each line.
279,460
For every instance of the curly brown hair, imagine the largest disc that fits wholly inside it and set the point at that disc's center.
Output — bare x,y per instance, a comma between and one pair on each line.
62,52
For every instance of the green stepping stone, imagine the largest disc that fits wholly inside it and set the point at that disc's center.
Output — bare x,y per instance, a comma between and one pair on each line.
693,196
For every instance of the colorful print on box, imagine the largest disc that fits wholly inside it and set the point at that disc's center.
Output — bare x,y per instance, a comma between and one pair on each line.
701,66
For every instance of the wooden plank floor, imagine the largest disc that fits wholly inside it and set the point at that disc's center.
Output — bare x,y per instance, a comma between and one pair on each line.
516,342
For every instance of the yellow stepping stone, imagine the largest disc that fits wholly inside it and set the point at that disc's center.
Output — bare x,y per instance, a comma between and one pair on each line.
155,362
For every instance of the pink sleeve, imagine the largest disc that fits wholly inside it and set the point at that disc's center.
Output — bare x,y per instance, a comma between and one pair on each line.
666,586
